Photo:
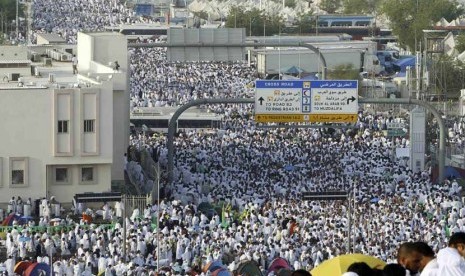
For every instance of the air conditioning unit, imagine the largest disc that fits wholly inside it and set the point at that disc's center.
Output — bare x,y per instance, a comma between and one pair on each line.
47,62
13,76
64,57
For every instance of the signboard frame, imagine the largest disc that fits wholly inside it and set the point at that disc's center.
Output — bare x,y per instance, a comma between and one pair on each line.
324,101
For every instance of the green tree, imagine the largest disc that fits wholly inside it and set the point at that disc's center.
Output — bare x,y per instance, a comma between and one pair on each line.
343,72
9,7
236,18
201,14
409,18
254,21
330,6
362,6
290,3
448,76
460,43
305,22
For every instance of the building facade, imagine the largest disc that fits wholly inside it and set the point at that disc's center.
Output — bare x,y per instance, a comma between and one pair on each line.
58,133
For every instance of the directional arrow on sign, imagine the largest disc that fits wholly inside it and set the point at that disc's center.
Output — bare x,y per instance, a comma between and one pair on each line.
261,100
351,99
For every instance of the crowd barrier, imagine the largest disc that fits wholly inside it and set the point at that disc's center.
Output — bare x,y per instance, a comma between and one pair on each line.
49,229
58,229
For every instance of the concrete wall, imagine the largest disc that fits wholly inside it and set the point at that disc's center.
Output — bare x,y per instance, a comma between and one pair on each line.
214,35
108,48
85,51
29,132
62,191
13,52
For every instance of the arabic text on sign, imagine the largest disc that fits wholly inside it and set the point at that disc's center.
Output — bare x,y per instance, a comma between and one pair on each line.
301,118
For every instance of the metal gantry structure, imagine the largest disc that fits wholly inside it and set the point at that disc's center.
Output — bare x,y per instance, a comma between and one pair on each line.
173,124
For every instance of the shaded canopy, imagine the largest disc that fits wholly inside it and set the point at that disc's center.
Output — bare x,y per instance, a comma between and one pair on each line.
402,64
277,264
449,171
291,70
35,269
21,267
339,264
248,268
9,220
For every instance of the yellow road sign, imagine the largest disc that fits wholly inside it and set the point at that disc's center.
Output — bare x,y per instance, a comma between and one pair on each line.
333,118
281,118
302,118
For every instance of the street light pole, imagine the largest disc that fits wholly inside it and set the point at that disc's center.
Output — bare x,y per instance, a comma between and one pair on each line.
17,20
316,25
158,215
124,226
250,26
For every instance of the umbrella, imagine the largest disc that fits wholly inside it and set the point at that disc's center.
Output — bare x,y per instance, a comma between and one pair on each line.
55,220
339,265
278,264
221,272
25,219
449,171
212,266
21,267
9,220
248,268
289,168
24,239
35,268
454,172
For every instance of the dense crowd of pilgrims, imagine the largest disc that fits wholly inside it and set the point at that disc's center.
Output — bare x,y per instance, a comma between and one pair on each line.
258,175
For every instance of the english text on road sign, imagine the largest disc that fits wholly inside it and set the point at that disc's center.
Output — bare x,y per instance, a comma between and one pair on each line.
338,100
285,118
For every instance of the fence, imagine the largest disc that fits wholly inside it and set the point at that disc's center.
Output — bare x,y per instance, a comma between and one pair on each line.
49,229
137,202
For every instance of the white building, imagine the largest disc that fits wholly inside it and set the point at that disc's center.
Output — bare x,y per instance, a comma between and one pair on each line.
64,134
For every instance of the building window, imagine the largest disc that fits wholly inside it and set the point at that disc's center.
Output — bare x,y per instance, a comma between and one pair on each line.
87,175
61,175
19,171
63,126
89,126
17,177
